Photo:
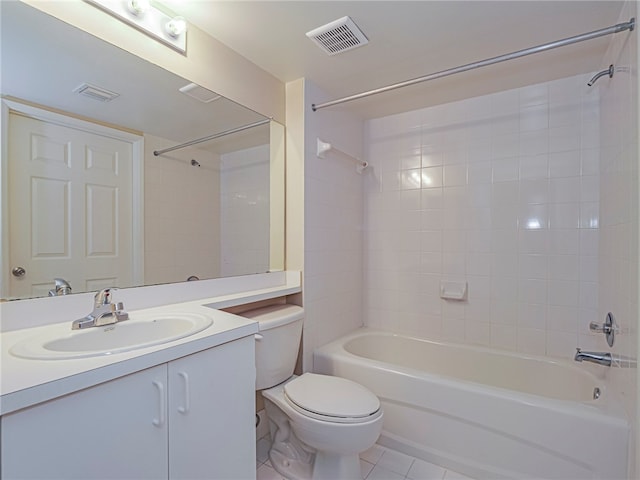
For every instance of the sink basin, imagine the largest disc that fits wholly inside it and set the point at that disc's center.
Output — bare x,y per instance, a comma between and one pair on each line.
139,331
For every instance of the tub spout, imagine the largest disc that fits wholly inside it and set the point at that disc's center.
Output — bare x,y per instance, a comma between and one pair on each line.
595,357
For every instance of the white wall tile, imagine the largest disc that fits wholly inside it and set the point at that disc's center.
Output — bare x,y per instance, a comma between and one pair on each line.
565,164
190,201
530,340
536,166
534,117
533,95
511,204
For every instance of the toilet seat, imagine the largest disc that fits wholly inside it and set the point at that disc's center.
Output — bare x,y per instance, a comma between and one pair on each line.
331,399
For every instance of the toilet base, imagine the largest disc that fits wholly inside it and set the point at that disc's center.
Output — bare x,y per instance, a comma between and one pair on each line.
289,456
323,467
332,466
289,468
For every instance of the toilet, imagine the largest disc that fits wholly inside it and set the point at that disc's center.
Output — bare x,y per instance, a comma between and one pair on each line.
319,424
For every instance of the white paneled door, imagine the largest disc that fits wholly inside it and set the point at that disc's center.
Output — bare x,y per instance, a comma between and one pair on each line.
70,208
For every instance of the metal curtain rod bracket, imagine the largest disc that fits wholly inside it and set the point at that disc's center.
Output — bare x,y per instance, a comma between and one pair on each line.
324,147
620,27
211,137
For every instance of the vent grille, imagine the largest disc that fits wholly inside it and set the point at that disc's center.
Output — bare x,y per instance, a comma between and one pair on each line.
201,94
96,93
338,36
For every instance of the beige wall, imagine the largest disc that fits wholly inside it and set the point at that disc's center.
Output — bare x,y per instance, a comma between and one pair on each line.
294,217
619,206
208,62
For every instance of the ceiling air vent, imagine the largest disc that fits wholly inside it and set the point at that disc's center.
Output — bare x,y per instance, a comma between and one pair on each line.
97,93
201,94
338,36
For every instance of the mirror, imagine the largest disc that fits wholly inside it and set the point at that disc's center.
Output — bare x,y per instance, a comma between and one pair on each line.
85,199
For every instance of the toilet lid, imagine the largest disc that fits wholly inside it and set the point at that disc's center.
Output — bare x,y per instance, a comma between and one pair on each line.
332,397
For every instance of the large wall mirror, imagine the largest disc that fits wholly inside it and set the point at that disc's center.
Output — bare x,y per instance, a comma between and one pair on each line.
86,200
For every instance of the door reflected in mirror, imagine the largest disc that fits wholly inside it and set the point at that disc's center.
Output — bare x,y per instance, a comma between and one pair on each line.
88,202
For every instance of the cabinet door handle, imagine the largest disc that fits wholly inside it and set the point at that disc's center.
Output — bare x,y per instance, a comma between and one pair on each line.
159,422
187,398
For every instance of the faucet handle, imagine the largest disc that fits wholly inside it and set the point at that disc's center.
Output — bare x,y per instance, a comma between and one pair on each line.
609,328
118,311
103,297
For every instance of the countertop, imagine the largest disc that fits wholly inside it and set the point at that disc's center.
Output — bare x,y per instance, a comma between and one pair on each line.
26,382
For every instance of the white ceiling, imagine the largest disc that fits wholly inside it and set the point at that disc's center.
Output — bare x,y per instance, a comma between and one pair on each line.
409,39
44,60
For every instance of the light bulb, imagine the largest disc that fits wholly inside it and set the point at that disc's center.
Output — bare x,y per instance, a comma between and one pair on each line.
138,7
176,26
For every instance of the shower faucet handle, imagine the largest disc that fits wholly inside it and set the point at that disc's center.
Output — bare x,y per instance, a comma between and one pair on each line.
609,328
600,327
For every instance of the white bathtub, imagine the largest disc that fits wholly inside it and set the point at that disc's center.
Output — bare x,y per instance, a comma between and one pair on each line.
485,413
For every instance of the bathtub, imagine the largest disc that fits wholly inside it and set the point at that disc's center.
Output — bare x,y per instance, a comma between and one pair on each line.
485,413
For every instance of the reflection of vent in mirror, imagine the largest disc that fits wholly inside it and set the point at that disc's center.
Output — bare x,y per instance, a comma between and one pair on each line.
97,93
199,93
338,36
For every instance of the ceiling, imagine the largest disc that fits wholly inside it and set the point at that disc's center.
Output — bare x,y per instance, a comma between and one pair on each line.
44,60
409,39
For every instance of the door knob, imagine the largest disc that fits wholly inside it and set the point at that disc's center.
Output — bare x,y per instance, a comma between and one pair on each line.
18,271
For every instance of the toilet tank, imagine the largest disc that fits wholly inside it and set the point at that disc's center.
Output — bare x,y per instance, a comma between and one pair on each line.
277,343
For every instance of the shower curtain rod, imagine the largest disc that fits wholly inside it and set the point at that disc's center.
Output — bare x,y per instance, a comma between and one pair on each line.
211,137
620,27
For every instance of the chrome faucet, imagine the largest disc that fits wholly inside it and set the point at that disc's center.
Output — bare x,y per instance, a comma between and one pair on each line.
104,312
62,287
600,358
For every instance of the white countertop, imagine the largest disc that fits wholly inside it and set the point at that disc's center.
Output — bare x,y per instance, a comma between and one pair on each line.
25,382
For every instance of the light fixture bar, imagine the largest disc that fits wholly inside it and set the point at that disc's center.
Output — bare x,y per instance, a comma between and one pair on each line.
148,20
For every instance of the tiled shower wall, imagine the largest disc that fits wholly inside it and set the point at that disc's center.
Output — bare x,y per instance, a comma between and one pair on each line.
182,230
501,192
244,206
619,211
223,206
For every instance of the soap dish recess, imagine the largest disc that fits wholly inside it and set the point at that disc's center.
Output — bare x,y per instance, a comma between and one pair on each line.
453,290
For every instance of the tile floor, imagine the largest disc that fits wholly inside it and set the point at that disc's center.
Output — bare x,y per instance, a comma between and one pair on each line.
377,463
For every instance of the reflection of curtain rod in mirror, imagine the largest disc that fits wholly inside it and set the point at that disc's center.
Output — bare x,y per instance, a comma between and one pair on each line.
211,137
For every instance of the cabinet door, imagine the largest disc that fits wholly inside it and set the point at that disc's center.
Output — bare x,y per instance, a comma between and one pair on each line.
103,432
212,413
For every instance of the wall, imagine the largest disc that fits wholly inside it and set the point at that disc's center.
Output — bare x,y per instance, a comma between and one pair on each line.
501,192
208,62
330,225
181,213
618,247
207,221
244,204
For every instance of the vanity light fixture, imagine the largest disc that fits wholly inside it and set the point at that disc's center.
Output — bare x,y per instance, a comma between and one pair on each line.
138,7
142,15
176,26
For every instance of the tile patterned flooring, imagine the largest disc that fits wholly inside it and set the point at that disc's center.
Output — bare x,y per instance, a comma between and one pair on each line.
377,463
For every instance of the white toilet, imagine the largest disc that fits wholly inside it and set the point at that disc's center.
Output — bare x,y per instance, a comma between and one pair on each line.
319,424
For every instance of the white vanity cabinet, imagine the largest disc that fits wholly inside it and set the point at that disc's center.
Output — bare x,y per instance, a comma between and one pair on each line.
190,418
211,409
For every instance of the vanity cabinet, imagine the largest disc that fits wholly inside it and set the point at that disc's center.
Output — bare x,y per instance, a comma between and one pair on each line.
190,418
